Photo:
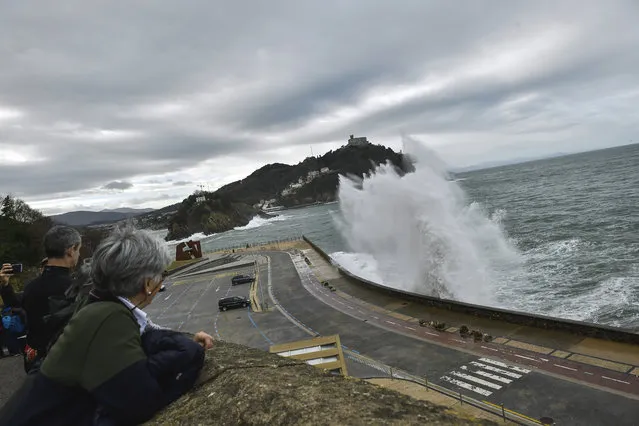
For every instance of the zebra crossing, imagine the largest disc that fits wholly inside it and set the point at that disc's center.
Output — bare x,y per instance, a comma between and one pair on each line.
484,376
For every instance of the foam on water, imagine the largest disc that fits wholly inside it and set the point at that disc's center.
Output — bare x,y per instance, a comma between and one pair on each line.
258,221
422,233
195,237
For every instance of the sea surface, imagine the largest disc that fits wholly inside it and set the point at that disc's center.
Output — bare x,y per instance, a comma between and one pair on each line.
557,237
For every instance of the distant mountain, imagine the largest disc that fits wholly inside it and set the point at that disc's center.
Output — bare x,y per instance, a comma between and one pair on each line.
128,210
84,218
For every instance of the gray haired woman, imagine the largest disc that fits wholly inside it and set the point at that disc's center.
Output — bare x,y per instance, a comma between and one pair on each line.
101,367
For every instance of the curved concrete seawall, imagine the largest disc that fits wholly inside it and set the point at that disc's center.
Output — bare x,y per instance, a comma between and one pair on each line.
513,317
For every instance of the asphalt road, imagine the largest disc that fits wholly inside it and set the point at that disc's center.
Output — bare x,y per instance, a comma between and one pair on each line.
522,381
531,386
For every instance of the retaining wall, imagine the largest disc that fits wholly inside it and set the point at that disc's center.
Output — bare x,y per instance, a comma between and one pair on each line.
514,317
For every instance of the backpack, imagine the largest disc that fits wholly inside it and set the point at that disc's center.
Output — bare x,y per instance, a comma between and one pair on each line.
12,322
63,308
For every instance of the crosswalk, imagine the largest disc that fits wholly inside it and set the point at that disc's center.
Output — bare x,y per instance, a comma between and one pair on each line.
484,376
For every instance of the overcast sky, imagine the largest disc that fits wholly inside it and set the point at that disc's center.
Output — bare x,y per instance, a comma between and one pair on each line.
111,103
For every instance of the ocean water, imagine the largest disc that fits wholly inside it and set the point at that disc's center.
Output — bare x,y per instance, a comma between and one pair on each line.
557,237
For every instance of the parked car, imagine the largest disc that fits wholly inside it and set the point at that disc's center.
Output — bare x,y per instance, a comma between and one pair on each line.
233,302
241,279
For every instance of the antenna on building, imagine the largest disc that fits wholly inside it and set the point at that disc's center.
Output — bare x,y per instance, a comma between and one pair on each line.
312,151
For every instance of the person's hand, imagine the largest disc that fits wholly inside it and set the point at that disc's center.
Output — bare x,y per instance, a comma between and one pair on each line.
206,340
5,273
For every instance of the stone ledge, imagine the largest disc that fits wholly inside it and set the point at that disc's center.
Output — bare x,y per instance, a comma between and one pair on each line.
240,385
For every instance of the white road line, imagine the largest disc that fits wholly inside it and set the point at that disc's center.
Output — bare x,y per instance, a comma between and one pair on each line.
543,359
349,307
391,322
527,357
168,297
217,289
475,379
610,378
410,328
501,364
488,375
567,368
490,349
457,340
496,370
589,373
432,334
376,318
468,386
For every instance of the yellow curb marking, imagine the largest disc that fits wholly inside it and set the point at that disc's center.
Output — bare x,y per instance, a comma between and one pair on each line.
530,347
622,368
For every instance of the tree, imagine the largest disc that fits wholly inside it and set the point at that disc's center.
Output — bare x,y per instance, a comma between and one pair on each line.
8,207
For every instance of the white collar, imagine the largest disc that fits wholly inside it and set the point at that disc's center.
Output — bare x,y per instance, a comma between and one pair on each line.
140,315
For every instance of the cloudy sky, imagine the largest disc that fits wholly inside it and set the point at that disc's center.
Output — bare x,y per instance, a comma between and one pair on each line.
113,103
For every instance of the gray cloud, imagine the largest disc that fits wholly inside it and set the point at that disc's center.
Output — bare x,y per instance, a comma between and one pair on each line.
118,185
94,93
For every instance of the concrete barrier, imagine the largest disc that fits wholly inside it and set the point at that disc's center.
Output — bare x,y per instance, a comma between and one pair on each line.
513,317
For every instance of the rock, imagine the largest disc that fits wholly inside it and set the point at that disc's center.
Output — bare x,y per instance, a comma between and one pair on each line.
247,386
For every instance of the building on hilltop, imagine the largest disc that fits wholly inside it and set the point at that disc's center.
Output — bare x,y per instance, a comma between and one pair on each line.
361,141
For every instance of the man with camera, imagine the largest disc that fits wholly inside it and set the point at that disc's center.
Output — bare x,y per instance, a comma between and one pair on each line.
62,247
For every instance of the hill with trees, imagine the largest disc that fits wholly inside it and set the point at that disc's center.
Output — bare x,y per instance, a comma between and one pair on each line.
22,231
314,180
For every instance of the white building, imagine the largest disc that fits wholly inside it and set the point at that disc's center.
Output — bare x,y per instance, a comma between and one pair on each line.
361,141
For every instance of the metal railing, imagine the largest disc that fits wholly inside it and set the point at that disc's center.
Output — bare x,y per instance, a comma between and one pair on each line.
244,246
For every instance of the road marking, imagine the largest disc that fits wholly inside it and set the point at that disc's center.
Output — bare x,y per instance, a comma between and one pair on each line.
476,380
610,378
591,374
349,307
468,386
432,334
567,368
527,357
457,340
496,370
488,375
168,297
410,328
543,359
490,349
391,322
376,318
501,364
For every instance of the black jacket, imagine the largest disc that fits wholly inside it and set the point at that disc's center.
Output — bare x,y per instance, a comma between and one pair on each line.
53,282
111,392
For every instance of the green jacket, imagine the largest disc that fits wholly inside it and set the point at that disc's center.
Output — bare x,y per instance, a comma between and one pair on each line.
96,369
100,341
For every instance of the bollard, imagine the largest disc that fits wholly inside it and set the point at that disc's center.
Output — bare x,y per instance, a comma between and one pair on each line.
461,400
426,379
503,412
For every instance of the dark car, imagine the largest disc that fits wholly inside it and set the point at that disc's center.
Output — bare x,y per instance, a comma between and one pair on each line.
241,279
233,302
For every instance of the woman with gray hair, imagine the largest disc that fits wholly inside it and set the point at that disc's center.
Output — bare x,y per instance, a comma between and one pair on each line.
102,370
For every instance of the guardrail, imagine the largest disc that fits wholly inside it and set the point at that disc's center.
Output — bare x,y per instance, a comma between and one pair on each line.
250,245
513,317
495,409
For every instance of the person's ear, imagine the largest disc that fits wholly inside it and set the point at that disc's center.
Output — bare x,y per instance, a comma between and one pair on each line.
147,287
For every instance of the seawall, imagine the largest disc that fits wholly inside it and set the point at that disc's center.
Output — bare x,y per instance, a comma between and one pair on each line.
498,314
